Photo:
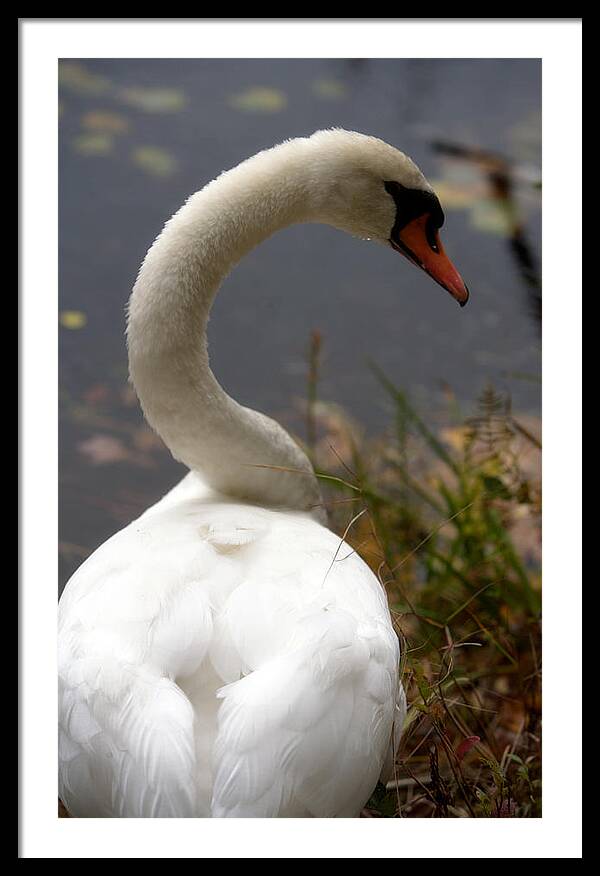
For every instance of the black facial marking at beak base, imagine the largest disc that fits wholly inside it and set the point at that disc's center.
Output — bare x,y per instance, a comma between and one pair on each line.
412,203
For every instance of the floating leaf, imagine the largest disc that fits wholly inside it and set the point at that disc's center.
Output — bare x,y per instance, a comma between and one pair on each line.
154,100
454,196
76,77
329,89
103,449
491,217
105,122
72,319
466,190
96,394
155,161
94,144
259,99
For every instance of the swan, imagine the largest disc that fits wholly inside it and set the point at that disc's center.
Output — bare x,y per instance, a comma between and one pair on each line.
214,659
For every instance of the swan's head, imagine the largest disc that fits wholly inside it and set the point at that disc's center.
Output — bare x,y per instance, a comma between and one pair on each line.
372,190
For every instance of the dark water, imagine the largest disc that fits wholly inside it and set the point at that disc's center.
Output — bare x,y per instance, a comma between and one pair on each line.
138,136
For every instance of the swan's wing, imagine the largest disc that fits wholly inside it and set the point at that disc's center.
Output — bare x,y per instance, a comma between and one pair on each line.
134,620
130,622
126,747
306,734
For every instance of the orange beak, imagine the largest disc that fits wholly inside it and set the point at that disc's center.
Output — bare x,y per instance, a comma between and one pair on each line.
421,244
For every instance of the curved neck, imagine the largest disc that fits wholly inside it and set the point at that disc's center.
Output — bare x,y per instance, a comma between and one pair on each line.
236,451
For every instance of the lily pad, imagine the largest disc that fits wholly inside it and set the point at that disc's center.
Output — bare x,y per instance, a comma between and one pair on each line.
105,122
329,89
491,217
72,319
94,143
154,100
76,77
454,196
103,449
154,161
259,99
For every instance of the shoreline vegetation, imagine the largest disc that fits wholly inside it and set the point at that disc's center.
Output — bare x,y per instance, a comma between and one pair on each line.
450,521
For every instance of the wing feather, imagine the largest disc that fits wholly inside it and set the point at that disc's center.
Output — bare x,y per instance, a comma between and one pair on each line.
130,753
306,733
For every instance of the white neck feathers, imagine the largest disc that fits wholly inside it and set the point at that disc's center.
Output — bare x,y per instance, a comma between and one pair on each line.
231,447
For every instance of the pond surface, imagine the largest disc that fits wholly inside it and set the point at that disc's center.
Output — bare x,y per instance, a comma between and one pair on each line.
137,137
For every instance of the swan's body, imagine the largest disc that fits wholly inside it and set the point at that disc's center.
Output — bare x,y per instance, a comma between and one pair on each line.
225,654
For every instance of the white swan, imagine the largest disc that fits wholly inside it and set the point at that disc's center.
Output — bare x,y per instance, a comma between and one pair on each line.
213,659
